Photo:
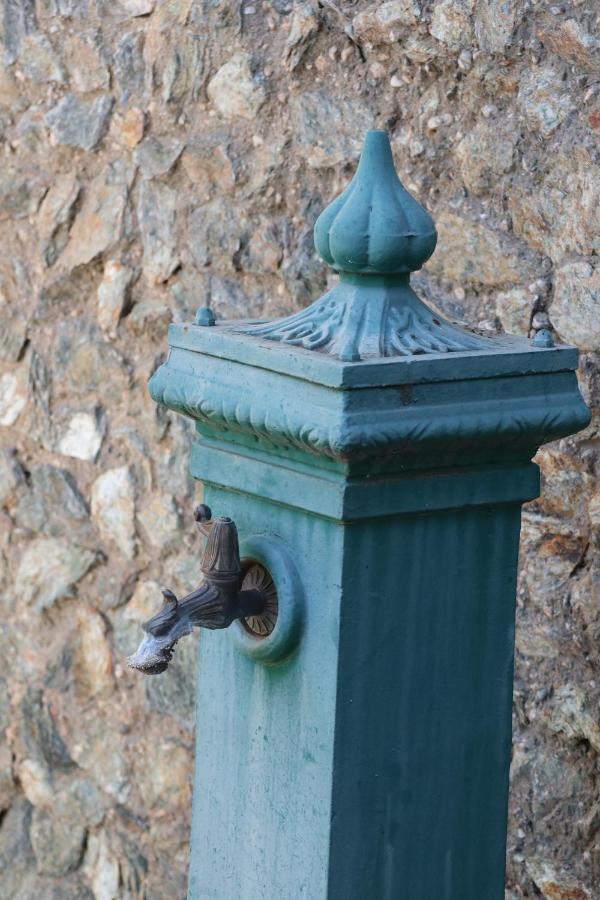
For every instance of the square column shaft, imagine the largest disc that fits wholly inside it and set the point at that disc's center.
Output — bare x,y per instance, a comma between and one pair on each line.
373,759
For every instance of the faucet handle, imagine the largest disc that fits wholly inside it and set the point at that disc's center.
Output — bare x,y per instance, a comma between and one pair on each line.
221,560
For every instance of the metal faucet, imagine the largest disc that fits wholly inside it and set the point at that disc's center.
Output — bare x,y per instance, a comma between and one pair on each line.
215,604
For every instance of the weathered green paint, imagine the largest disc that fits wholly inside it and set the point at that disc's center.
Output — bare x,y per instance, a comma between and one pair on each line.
373,761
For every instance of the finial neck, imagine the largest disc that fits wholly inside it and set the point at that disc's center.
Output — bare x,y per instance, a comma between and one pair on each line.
376,153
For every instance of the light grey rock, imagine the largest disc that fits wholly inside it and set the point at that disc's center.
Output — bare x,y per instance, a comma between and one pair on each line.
156,211
487,151
514,309
83,436
14,394
176,695
184,69
136,7
495,22
18,20
36,782
157,155
575,309
20,194
329,131
38,735
159,521
80,123
150,318
13,331
544,100
215,233
72,9
129,66
49,569
56,215
574,715
57,838
52,504
234,91
113,508
16,854
452,23
40,426
102,867
39,61
89,365
304,27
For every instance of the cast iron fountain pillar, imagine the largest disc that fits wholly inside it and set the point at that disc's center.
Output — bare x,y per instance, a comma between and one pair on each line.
354,723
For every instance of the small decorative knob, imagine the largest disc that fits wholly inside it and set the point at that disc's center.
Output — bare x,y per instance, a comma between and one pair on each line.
215,604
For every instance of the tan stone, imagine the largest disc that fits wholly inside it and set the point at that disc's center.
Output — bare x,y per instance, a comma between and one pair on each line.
471,253
49,569
94,659
145,601
544,100
98,225
561,214
452,22
485,153
554,883
35,780
304,26
112,295
209,167
514,309
495,22
382,23
573,43
132,126
113,508
233,91
575,309
160,521
87,67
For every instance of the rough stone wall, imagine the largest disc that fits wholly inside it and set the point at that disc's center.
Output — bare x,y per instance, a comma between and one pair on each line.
156,153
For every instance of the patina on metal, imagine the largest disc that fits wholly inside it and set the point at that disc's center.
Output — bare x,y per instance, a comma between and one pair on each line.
374,235
375,458
229,592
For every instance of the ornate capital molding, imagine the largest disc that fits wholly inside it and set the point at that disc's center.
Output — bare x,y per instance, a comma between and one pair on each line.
374,234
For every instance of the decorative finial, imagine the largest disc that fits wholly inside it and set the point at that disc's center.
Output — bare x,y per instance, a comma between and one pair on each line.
375,226
374,235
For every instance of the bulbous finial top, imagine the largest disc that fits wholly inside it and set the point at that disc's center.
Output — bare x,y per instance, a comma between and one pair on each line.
375,226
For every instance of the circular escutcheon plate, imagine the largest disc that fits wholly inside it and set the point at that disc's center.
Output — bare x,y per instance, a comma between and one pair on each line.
272,636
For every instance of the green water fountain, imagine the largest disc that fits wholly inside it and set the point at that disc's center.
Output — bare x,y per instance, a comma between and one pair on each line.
364,464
